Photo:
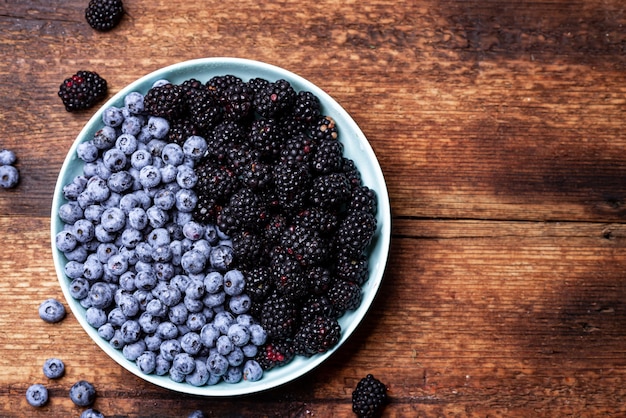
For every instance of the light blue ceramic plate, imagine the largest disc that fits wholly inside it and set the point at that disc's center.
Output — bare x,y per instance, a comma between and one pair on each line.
356,147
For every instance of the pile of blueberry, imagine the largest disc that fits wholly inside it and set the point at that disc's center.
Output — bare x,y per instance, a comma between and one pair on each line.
138,261
9,175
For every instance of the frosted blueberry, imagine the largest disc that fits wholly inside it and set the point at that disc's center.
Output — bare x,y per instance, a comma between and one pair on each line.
8,157
131,237
76,187
258,335
79,288
126,143
199,377
210,234
116,340
37,395
161,82
93,213
91,413
70,212
195,289
158,127
195,147
157,217
77,254
117,264
153,342
196,320
121,181
233,374
221,257
162,366
250,350
83,393
53,368
240,304
234,282
252,371
186,177
95,317
140,159
133,350
193,261
137,218
168,173
172,153
105,138
156,308
178,314
131,331
128,306
145,280
149,176
193,230
238,334
105,251
132,125
169,349
146,362
223,320
87,151
106,331
217,364
133,101
83,230
164,199
209,335
65,241
167,331
184,363
235,357
214,300
164,271
224,345
113,219
113,116
92,268
186,200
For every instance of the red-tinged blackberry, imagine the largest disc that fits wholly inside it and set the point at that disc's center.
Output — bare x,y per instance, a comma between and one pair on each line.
352,268
355,232
104,15
352,172
324,129
191,86
363,198
181,129
279,316
299,148
215,180
317,336
256,175
258,282
245,211
266,136
274,229
323,220
204,109
314,306
236,99
276,353
82,90
219,83
328,157
291,181
330,190
166,101
344,296
275,99
305,245
226,135
306,107
369,398
288,278
248,248
320,279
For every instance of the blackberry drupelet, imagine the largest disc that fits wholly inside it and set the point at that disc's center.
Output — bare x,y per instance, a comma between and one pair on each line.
324,129
275,354
82,90
328,157
355,232
344,296
290,126
104,15
274,229
166,101
330,190
279,316
275,99
317,336
369,397
257,84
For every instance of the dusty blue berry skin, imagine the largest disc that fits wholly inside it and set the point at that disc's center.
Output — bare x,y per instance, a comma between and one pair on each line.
162,365
252,371
172,153
7,157
157,217
146,362
258,335
240,304
51,310
65,241
79,288
83,393
53,368
158,127
234,282
133,101
37,395
141,159
217,364
70,212
113,116
169,349
91,413
223,320
105,138
167,331
95,317
83,230
87,151
113,219
184,363
195,147
221,257
132,351
126,143
224,345
186,177
193,262
238,334
106,331
233,374
186,200
199,377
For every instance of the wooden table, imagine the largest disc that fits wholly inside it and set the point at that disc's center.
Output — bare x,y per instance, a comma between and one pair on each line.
499,127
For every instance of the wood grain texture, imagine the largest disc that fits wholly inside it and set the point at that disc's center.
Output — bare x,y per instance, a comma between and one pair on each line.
499,127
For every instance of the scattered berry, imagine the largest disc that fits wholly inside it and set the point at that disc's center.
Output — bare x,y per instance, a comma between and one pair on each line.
82,90
91,413
9,176
83,393
104,15
51,311
37,395
369,397
7,157
53,368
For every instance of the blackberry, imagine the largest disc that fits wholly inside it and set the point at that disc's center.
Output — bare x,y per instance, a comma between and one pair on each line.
314,306
204,109
291,126
369,397
248,248
352,268
274,229
257,84
219,83
258,282
279,316
355,232
236,100
215,180
275,354
344,296
166,101
206,209
256,175
320,279
351,172
291,184
323,220
104,15
328,157
226,135
330,190
181,129
298,148
306,107
288,278
317,336
239,156
305,245
82,90
266,136
363,199
274,99
324,129
244,211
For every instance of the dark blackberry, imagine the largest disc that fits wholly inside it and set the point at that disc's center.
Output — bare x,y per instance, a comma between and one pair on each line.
257,84
369,397
274,229
82,90
324,129
239,156
266,136
191,86
363,198
219,83
279,316
323,220
290,126
206,209
215,180
244,211
352,172
256,175
330,190
305,245
226,135
317,336
236,100
299,148
288,278
275,99
328,157
306,107
166,101
355,232
291,183
352,268
104,15
258,282
276,353
181,129
248,248
314,306
344,296
204,109
320,279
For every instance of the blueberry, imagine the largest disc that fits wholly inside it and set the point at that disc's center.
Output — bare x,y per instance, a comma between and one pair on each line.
105,251
169,349
51,310
224,345
131,237
172,153
72,190
258,335
116,317
156,308
127,143
132,351
93,213
153,342
186,200
131,331
37,395
133,101
250,350
92,268
164,199
83,393
116,341
193,262
217,364
210,234
121,181
140,159
145,280
128,305
102,171
195,147
223,320
137,218
162,365
209,335
113,219
238,335
158,127
170,296
95,317
87,151
164,271
221,257
91,413
105,138
117,264
166,330
213,300
186,177
157,217
240,304
53,368
78,254
113,116
178,314
233,374
184,363
234,282
106,331
83,230
191,343
236,357
199,377
194,230
252,371
146,362
73,270
8,157
65,241
79,288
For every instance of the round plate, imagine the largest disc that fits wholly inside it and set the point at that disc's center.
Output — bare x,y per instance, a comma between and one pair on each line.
356,147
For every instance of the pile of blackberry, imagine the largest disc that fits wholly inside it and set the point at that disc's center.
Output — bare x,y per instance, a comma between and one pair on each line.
274,178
